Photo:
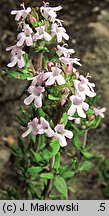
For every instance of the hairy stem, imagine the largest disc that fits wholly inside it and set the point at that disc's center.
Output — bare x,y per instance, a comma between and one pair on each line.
39,64
85,139
48,187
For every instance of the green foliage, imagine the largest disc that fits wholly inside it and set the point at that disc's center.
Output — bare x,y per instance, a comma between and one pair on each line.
47,176
103,171
60,184
35,169
52,97
64,119
85,166
57,163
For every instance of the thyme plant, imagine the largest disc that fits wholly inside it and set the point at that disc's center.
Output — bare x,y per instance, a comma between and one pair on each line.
60,107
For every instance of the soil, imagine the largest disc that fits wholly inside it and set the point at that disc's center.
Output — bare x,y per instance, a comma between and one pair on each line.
87,23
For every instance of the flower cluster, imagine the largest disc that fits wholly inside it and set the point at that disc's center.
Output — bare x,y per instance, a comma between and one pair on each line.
74,87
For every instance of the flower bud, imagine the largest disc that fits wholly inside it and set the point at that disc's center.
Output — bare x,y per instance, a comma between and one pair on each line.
65,90
69,69
83,127
32,19
91,117
49,65
46,25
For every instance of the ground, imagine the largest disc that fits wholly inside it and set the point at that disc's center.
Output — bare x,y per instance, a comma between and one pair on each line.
87,23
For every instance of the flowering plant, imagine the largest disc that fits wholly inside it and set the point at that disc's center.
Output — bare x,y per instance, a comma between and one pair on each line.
60,105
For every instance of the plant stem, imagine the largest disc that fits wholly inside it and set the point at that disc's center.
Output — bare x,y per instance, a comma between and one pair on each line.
48,187
39,64
85,139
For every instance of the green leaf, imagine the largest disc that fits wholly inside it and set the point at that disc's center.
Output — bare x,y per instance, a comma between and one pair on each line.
57,162
77,142
87,154
37,157
68,174
77,130
55,147
41,49
85,166
41,142
51,150
17,74
64,119
89,112
35,169
41,113
52,97
60,184
71,189
45,153
47,175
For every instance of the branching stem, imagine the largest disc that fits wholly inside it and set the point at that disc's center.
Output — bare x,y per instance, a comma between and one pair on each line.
48,187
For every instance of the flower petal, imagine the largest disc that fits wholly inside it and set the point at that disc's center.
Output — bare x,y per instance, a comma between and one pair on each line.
29,99
71,110
61,139
26,132
68,134
81,112
60,80
29,41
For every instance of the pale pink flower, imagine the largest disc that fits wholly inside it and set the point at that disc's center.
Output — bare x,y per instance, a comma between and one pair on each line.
21,13
64,99
64,51
78,105
85,80
44,127
38,79
49,12
84,88
70,61
54,76
35,127
41,34
59,32
17,56
35,95
25,36
69,69
61,133
32,128
99,111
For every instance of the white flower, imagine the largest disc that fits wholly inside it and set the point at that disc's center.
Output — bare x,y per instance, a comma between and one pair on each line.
84,80
64,51
59,32
99,111
38,128
21,13
37,79
17,56
36,95
83,88
54,76
61,133
70,61
44,127
78,105
25,36
41,34
32,128
49,12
